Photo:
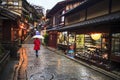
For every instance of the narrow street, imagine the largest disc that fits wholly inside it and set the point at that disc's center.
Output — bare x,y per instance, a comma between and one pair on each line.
80,40
51,66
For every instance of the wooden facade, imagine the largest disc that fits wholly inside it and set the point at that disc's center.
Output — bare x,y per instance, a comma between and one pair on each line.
91,17
14,18
8,21
56,20
54,16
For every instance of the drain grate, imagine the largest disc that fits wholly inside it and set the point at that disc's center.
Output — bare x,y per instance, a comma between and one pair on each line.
41,76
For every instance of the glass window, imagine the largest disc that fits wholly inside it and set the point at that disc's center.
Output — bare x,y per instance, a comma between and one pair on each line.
80,41
71,38
90,42
92,45
116,44
62,38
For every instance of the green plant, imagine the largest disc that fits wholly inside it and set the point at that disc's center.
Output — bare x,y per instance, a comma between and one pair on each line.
46,39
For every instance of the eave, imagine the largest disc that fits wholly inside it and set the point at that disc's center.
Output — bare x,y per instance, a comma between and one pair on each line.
83,5
56,8
106,19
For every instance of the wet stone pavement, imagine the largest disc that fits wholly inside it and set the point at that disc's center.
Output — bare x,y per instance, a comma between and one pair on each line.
52,66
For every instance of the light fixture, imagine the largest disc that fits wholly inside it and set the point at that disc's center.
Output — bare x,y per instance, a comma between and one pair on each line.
96,36
22,25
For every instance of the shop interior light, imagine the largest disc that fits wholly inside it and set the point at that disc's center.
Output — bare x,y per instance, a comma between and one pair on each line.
96,36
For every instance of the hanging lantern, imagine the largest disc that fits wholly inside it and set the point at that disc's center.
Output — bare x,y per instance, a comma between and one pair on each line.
22,25
96,36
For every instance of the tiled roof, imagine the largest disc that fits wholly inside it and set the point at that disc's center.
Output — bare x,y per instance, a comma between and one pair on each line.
115,17
59,6
56,8
54,28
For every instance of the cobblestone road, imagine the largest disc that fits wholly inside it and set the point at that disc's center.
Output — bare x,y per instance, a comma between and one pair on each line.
51,66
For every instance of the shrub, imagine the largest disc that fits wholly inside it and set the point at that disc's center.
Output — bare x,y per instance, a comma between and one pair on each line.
46,39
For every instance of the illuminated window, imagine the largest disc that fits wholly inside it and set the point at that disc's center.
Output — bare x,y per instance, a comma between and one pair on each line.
116,44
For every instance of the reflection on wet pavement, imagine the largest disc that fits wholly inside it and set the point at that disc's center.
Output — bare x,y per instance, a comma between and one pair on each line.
51,66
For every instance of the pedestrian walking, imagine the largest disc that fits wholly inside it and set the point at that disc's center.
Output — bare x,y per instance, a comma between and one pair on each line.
37,44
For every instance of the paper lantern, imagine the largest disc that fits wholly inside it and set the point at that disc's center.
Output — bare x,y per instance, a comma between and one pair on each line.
96,36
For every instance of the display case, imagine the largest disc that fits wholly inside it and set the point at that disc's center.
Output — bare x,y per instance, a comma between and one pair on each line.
93,50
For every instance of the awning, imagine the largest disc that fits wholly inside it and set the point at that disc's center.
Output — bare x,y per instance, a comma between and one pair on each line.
96,21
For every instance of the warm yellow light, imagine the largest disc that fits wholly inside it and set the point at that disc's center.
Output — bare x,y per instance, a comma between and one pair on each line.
96,36
28,30
22,25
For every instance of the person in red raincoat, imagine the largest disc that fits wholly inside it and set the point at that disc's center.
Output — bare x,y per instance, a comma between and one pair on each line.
37,44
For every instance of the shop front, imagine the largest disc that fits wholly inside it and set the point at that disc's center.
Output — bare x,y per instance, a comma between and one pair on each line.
99,46
93,47
101,49
94,31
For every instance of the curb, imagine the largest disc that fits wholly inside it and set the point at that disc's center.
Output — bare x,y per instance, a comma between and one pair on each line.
112,75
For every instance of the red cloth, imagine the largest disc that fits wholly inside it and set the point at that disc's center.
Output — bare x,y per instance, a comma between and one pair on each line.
37,44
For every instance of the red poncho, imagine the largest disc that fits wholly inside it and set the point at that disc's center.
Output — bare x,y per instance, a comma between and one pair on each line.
36,44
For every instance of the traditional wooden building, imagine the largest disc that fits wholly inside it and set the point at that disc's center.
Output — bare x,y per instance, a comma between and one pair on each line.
8,24
56,20
26,12
94,31
14,18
